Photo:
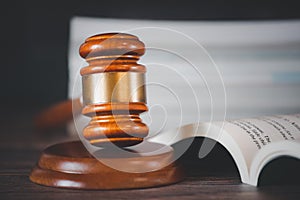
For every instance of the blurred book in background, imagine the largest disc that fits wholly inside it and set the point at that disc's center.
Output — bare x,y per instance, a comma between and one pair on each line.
258,62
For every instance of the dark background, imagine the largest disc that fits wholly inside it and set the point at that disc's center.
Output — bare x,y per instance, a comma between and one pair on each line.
34,36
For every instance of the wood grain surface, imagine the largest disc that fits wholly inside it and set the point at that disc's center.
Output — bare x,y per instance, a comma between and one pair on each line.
70,165
214,177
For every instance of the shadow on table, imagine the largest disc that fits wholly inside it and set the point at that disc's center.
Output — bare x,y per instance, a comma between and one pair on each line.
281,171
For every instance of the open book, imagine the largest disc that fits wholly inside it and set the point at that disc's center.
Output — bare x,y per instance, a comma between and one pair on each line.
272,59
251,142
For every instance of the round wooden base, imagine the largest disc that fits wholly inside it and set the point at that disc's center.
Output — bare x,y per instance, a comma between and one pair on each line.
69,165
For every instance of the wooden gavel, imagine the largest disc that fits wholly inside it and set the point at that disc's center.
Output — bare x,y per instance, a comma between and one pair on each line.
113,92
113,96
113,89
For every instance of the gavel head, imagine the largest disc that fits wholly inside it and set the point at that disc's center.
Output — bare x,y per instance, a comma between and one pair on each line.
113,89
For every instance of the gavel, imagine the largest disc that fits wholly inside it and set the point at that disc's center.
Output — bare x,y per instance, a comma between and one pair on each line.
113,95
113,92
113,89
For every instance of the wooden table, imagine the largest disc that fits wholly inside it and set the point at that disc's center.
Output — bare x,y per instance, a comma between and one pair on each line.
214,177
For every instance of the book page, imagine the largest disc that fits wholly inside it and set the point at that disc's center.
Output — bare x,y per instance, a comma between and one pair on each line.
251,142
267,136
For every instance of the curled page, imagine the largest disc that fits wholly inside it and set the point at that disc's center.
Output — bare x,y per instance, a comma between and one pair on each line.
251,142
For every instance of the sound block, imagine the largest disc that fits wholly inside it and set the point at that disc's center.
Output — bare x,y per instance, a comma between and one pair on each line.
70,165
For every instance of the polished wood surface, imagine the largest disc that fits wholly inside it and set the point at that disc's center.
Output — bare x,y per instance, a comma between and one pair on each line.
214,177
70,165
113,122
112,52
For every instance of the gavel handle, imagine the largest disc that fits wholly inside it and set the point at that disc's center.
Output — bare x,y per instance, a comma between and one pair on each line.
57,115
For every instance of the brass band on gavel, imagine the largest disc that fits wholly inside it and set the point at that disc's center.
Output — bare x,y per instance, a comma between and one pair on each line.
113,87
